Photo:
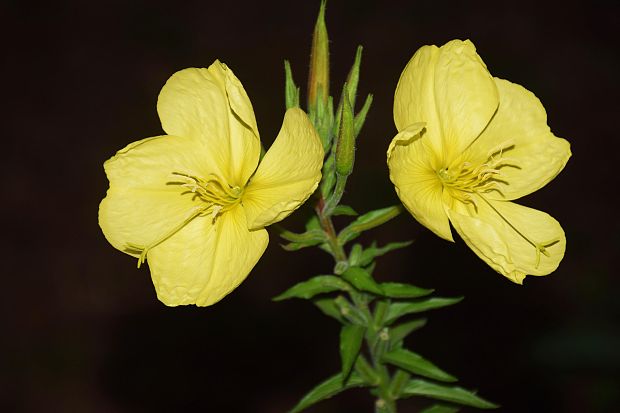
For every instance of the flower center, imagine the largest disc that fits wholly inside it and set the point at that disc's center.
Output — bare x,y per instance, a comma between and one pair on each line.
217,196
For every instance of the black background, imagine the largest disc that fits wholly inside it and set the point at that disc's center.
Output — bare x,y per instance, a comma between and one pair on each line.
82,329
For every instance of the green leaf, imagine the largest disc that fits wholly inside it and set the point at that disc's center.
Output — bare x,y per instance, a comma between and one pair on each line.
360,118
398,333
316,285
372,252
416,364
351,337
296,246
451,394
439,408
291,91
368,221
362,280
397,310
344,210
313,223
315,236
330,387
329,308
355,254
398,290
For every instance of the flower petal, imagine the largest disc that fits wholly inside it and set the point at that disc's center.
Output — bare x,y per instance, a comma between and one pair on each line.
465,94
451,90
211,104
288,174
142,205
537,155
205,261
414,99
411,161
503,234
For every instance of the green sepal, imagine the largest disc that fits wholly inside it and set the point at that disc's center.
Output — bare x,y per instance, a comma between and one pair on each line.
362,280
399,290
291,91
439,408
351,338
416,364
400,309
344,210
373,251
329,388
360,118
354,76
453,394
317,285
398,333
329,308
368,221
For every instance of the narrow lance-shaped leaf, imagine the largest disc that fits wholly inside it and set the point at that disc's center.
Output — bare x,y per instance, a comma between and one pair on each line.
362,280
453,394
308,236
329,388
397,310
314,286
329,308
438,408
351,338
344,210
368,221
373,251
416,364
398,333
399,290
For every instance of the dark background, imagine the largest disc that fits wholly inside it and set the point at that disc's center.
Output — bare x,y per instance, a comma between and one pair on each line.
82,330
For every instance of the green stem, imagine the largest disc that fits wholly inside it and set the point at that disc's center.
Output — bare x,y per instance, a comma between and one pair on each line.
376,339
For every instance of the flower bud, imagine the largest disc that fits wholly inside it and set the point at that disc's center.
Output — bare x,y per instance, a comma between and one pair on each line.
345,147
318,80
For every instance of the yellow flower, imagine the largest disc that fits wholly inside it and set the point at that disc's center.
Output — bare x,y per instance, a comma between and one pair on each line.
469,143
195,202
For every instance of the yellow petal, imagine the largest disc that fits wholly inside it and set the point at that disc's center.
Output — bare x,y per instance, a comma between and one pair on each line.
141,205
288,174
211,105
414,100
506,236
465,93
411,161
535,156
205,261
451,90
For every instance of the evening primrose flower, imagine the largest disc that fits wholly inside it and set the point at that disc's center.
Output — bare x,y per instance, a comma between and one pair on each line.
468,144
195,202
